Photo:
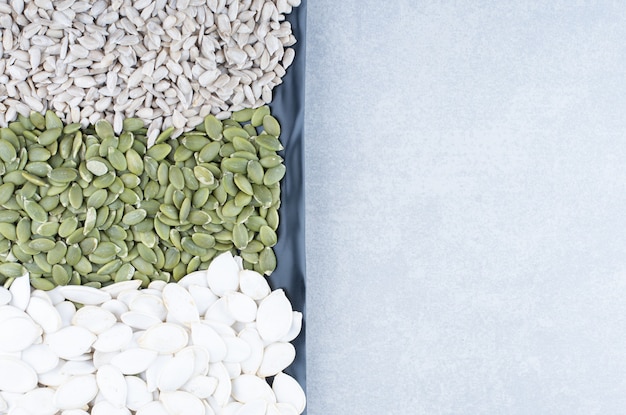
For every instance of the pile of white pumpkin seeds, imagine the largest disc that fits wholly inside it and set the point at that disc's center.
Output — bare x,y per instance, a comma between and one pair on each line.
140,178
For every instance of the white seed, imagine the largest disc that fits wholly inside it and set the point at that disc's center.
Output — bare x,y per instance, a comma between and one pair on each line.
16,376
76,392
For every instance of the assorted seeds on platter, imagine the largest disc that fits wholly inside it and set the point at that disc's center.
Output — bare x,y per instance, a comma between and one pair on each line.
140,187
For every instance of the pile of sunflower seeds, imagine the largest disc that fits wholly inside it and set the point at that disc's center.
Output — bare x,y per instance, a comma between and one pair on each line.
169,62
86,206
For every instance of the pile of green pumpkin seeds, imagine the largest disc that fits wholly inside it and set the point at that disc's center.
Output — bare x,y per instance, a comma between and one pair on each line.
86,206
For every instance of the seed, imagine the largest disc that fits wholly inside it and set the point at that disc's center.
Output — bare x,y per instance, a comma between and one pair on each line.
235,165
43,245
12,270
213,127
159,151
176,178
274,175
269,142
49,136
134,161
63,174
97,199
271,126
258,115
7,151
267,261
132,124
97,166
124,273
104,129
60,275
56,254
134,217
36,212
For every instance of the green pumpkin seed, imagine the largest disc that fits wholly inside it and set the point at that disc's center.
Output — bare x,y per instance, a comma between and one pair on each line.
48,229
42,244
41,283
235,165
8,153
75,237
6,192
274,175
74,254
132,124
258,115
176,177
267,236
36,212
240,236
164,135
271,125
134,161
199,217
104,129
213,127
12,270
97,166
52,120
159,151
147,254
243,184
97,198
56,254
267,261
134,217
209,152
124,273
268,142
49,136
204,175
60,275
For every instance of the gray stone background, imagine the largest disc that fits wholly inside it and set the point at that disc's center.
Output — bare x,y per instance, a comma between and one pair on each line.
466,207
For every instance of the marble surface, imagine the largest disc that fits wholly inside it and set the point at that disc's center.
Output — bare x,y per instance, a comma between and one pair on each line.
466,207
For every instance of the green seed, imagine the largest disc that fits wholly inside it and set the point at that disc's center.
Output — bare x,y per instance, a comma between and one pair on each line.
97,166
243,184
240,236
56,254
209,152
159,151
195,142
74,254
176,177
146,253
132,124
36,212
40,283
199,217
267,236
203,240
274,175
271,125
6,192
52,120
134,161
231,132
204,175
117,159
243,115
12,270
213,127
49,136
7,151
60,275
124,273
48,229
43,245
104,129
63,174
258,115
97,199
267,261
75,196
269,142
164,135
235,165
134,217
